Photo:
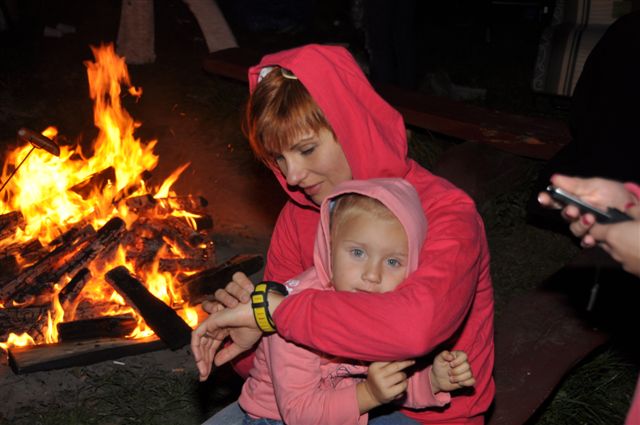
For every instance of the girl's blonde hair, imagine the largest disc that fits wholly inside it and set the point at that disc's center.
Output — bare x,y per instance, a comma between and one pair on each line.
352,204
279,110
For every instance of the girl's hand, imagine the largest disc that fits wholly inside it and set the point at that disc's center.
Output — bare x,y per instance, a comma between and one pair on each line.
385,382
451,371
237,291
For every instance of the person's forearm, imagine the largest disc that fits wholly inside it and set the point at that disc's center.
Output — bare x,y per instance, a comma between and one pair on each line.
366,401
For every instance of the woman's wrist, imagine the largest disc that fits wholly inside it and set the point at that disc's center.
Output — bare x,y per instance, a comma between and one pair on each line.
274,301
261,299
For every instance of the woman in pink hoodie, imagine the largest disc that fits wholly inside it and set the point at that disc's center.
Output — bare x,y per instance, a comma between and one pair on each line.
369,239
316,122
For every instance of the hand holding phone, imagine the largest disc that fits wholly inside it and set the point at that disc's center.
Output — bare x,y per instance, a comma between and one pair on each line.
608,216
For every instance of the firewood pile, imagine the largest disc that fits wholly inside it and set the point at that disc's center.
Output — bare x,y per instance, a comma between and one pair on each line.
34,279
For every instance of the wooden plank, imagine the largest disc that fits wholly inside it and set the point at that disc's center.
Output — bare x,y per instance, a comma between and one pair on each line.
534,137
200,286
539,338
164,321
100,327
36,358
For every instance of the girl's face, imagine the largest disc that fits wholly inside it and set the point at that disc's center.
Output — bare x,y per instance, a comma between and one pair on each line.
369,254
316,164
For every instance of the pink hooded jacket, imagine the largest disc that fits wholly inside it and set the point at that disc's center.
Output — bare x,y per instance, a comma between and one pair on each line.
299,386
449,298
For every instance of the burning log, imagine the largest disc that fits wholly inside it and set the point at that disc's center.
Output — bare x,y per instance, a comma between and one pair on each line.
147,204
19,319
9,223
68,295
103,244
101,327
28,277
95,183
36,358
201,286
50,270
164,321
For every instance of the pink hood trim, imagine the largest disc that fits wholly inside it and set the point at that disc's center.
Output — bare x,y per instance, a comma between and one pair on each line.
396,194
372,134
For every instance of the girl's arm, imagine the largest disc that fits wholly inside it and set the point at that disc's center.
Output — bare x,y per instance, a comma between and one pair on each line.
301,394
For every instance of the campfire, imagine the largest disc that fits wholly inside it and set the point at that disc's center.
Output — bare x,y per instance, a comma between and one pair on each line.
91,256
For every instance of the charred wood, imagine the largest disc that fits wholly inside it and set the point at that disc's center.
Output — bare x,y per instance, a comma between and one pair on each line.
201,286
9,223
95,182
35,358
173,265
164,321
19,319
29,275
68,295
102,243
147,204
101,327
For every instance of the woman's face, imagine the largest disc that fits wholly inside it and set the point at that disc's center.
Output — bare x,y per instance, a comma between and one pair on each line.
315,164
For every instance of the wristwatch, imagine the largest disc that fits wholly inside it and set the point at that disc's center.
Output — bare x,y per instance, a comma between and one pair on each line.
260,303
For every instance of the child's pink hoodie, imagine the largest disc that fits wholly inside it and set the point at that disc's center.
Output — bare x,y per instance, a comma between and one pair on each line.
301,386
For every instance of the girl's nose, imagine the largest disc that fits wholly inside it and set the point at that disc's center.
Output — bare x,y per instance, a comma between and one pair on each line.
371,273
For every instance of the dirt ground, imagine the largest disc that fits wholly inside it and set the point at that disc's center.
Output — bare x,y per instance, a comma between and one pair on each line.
195,118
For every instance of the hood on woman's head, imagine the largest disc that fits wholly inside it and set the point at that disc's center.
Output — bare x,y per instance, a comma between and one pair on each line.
372,134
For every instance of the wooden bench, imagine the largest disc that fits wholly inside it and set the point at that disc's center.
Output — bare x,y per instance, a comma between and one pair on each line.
533,137
539,339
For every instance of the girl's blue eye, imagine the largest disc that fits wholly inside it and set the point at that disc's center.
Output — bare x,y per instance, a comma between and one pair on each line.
357,252
393,262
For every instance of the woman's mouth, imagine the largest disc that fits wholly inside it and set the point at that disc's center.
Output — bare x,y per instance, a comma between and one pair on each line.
313,189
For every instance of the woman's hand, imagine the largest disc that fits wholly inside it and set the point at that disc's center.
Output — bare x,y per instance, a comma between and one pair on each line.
236,323
621,240
237,291
600,192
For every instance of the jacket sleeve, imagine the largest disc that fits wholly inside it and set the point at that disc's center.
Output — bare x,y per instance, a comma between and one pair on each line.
432,302
419,393
283,263
296,377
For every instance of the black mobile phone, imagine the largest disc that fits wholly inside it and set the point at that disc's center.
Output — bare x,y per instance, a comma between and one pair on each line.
610,215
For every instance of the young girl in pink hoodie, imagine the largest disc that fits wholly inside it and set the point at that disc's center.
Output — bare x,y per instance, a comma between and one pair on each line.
368,240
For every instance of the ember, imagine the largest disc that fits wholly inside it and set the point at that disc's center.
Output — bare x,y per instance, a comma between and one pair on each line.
68,221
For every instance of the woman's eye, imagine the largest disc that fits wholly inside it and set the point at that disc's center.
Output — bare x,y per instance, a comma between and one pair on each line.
307,151
357,252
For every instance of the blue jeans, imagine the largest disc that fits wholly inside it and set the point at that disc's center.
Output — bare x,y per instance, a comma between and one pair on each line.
248,420
393,418
234,415
230,415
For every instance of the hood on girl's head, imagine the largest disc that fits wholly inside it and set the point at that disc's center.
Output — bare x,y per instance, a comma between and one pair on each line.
398,195
371,133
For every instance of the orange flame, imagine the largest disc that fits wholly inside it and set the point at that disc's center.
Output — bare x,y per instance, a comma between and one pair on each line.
45,191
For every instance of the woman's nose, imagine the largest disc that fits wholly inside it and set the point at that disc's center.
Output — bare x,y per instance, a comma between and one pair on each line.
294,172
